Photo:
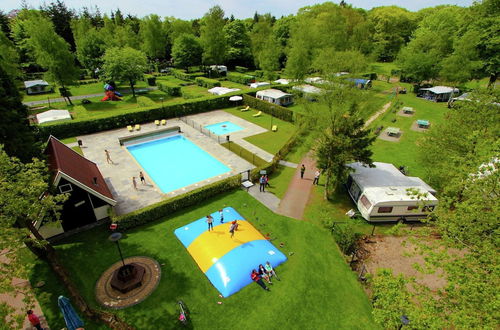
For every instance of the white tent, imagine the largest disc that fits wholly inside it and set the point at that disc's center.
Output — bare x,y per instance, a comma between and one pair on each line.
259,84
282,81
222,90
307,89
52,115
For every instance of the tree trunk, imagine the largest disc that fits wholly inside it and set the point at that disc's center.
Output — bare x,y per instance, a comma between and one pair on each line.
493,79
66,96
327,184
132,87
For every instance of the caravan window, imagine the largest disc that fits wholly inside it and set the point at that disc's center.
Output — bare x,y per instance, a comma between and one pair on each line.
411,208
385,209
366,203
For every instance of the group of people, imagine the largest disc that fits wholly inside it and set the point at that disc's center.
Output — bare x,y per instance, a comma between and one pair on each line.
264,272
316,174
210,222
264,182
134,180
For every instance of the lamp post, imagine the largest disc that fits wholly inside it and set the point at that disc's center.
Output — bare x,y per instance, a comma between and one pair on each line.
115,237
161,98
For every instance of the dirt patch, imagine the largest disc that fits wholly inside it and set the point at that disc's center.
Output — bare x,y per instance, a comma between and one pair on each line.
415,127
398,254
385,137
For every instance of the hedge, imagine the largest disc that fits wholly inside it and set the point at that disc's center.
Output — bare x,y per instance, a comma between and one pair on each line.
259,73
169,206
151,81
269,108
241,69
206,82
180,74
240,78
144,101
181,108
169,88
244,153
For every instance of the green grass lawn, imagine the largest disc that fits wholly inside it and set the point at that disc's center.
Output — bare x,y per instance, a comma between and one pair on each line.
384,68
93,88
268,141
405,152
317,289
280,179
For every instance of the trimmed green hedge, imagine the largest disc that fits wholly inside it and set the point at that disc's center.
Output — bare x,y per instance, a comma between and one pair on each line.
169,87
241,69
269,108
206,82
244,153
169,206
180,74
240,78
182,108
144,101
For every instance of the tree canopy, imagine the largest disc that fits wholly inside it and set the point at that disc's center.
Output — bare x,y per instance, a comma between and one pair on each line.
186,51
124,64
212,36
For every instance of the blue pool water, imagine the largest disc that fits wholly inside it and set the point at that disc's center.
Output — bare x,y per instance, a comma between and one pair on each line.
225,127
175,162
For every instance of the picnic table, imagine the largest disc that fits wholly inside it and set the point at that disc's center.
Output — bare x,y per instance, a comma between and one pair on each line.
408,110
422,123
393,131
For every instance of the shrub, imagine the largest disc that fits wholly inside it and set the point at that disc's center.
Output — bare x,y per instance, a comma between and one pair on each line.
244,153
169,206
269,108
259,73
151,81
144,101
206,82
241,69
240,78
169,88
181,108
180,74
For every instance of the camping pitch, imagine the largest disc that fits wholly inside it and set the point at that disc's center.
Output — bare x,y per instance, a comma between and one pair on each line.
228,261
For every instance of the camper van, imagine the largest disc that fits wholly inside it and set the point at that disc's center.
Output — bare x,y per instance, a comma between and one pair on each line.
383,193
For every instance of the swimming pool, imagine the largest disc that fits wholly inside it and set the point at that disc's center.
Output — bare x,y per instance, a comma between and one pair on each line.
225,127
175,162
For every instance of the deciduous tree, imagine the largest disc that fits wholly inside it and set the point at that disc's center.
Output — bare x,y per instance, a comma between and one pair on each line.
212,36
186,51
154,38
124,64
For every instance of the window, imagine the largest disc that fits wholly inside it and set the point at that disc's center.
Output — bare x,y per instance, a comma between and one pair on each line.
65,188
366,203
411,208
385,209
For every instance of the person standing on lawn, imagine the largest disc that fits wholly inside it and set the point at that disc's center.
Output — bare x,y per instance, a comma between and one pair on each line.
34,320
257,279
302,171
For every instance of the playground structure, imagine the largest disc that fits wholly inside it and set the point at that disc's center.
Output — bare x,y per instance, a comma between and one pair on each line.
228,261
110,94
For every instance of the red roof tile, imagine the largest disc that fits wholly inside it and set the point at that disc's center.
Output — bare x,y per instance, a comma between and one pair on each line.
64,159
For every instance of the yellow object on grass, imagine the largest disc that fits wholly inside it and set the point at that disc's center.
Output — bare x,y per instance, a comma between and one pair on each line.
274,128
258,114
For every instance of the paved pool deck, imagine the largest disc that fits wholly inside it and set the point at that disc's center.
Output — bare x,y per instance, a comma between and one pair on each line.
119,174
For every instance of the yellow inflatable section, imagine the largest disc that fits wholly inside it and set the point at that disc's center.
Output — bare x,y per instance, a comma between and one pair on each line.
210,246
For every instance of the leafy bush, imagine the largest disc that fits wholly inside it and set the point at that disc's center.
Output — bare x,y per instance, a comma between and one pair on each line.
244,153
206,82
86,82
269,108
180,74
346,237
151,81
240,78
241,69
169,88
169,206
144,101
259,73
181,108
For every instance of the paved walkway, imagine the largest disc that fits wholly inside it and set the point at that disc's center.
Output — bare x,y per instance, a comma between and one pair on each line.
81,97
267,198
295,200
378,113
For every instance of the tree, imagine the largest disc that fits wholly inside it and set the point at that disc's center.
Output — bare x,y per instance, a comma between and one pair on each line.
61,17
154,38
15,132
343,138
9,59
4,23
212,36
186,51
90,46
392,29
329,62
124,64
238,43
51,52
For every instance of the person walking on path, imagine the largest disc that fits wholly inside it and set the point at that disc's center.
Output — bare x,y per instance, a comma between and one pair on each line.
108,157
233,227
262,182
267,181
34,320
143,179
210,222
270,271
257,279
302,171
316,177
134,182
221,214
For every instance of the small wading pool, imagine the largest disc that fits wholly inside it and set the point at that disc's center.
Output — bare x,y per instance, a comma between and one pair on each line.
175,162
225,127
